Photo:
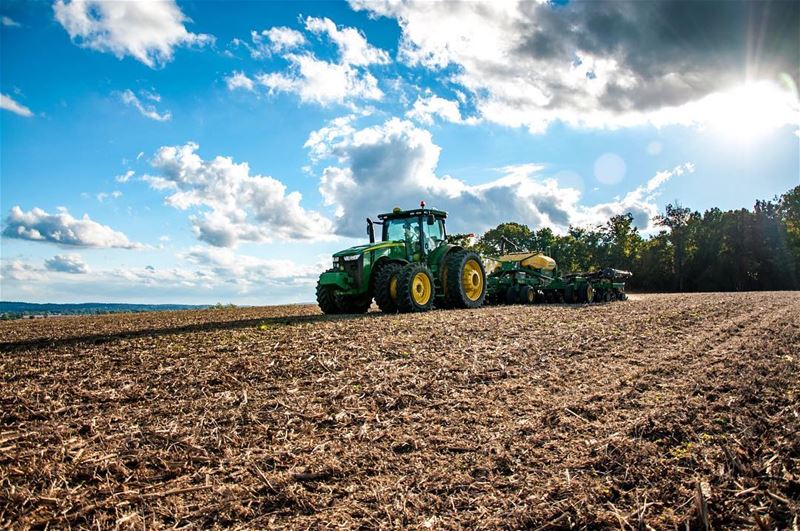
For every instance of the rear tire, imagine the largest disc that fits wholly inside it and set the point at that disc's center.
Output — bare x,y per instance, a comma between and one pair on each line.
465,283
415,290
383,287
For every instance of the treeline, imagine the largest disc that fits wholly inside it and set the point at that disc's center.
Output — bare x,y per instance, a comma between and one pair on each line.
734,250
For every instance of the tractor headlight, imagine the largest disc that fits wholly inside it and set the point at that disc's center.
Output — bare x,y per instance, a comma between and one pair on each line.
351,258
335,263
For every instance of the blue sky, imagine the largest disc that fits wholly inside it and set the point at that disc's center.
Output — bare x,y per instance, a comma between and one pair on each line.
203,152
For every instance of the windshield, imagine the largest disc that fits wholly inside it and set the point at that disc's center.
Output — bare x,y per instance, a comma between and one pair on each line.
407,229
401,229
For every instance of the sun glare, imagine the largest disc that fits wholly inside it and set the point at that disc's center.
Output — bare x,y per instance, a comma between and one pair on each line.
748,113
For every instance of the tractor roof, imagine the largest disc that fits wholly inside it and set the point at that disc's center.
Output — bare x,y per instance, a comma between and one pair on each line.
400,214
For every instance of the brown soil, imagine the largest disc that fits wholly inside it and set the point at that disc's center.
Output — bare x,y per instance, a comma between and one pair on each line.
663,411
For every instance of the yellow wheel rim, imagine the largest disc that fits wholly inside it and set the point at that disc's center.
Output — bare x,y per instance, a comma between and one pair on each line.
421,288
393,288
472,280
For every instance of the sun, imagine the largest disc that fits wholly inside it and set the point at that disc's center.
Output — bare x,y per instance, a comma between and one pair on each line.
749,112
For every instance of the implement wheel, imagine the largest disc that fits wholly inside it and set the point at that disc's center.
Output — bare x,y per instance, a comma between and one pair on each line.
415,289
464,280
326,298
386,287
512,295
527,295
569,294
585,293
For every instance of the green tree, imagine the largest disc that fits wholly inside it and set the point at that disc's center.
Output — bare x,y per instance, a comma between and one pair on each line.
504,238
678,219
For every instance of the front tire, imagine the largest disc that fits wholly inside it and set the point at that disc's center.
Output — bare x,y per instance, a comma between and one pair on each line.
415,290
326,298
465,283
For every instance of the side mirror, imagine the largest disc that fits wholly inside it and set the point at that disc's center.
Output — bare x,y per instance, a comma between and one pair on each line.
431,219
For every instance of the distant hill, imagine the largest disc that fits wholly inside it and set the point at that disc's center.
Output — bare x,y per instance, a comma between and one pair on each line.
10,309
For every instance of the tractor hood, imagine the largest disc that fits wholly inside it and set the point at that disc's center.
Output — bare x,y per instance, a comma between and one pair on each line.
360,249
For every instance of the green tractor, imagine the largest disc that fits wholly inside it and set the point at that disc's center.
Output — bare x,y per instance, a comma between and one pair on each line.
411,269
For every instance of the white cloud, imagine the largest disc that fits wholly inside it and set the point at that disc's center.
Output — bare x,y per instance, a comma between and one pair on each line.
61,228
315,80
353,46
21,271
248,270
146,110
600,64
8,103
10,22
278,39
322,82
236,206
425,109
239,80
147,31
102,196
394,164
202,274
67,263
125,177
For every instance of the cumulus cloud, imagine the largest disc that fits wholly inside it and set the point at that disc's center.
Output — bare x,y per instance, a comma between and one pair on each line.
147,31
322,82
8,103
238,80
599,63
145,109
353,46
426,108
67,263
235,205
21,271
315,80
271,41
63,229
394,164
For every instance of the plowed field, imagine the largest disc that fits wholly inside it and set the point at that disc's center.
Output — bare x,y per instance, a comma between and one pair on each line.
661,411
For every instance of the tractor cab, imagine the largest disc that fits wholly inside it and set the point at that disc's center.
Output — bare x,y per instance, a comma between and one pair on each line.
422,230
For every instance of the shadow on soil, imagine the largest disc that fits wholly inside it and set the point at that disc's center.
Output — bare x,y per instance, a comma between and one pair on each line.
98,339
